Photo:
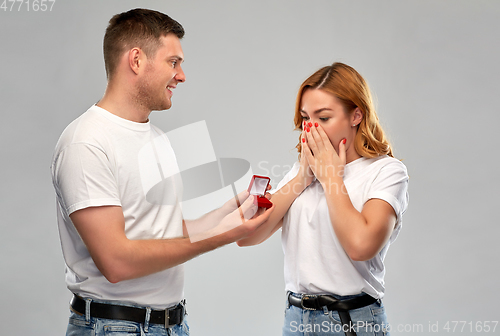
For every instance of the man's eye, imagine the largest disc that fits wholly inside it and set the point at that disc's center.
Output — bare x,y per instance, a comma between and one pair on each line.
174,63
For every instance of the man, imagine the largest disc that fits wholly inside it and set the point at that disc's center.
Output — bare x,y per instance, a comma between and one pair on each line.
123,249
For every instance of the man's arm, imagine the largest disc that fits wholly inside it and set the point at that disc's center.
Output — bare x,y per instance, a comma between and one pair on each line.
102,229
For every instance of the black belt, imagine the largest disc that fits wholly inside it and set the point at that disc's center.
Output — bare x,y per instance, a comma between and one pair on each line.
317,302
168,317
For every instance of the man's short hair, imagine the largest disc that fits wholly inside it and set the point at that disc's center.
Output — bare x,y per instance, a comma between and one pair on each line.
141,28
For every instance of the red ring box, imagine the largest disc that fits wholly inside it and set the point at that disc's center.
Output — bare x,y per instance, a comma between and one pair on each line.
258,186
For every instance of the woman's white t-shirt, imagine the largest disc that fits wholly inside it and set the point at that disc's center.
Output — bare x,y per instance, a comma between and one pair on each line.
315,261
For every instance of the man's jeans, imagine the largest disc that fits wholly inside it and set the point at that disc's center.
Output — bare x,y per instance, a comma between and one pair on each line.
79,325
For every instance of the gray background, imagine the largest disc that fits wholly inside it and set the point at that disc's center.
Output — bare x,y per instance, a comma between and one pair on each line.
432,65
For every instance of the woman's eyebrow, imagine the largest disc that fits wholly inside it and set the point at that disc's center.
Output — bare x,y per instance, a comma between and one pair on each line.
318,111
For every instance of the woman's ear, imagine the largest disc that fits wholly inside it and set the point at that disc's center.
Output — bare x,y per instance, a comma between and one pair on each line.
356,117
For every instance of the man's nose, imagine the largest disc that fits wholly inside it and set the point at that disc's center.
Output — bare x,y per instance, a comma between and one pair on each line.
180,76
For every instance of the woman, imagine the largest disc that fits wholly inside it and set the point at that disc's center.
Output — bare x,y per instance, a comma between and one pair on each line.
339,207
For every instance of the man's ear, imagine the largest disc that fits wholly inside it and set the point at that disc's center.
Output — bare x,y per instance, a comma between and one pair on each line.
135,59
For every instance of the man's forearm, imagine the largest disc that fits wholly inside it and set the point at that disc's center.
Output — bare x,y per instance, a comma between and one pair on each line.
118,258
203,224
138,258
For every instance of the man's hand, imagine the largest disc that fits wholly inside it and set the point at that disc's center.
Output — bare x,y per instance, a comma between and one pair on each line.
237,212
235,203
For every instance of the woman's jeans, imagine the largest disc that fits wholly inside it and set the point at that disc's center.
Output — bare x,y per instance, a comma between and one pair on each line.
366,321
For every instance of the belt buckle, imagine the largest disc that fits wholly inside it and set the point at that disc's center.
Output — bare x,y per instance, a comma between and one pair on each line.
307,296
167,315
167,319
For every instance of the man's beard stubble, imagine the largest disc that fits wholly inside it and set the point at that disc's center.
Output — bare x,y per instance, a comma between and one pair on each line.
147,98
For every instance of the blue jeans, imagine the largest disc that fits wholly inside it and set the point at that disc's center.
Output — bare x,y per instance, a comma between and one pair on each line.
366,321
79,325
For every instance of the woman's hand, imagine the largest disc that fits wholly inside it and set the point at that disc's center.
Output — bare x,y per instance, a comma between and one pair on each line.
326,164
305,174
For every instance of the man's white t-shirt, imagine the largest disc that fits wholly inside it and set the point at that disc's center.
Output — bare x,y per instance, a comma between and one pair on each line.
104,160
315,261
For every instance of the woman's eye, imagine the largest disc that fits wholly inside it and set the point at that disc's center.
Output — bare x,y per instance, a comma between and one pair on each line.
305,118
324,119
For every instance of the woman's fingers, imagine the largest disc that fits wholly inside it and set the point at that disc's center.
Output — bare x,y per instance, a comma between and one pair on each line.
324,138
306,151
311,140
318,139
342,151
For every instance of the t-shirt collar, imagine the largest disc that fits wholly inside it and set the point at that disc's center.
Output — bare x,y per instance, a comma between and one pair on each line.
141,127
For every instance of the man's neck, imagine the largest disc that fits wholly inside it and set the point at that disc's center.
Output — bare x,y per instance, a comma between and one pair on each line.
120,102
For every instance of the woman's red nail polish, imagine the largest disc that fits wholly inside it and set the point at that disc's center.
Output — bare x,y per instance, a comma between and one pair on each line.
303,140
308,129
310,124
304,122
316,124
344,141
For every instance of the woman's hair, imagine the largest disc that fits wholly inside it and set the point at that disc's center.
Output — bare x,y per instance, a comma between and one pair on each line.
345,83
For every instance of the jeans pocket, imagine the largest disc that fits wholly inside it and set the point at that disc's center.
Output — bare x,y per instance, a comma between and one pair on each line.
119,328
378,311
78,326
334,316
287,305
366,321
380,325
185,327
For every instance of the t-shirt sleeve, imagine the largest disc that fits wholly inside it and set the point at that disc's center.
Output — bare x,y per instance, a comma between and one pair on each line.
83,177
391,185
